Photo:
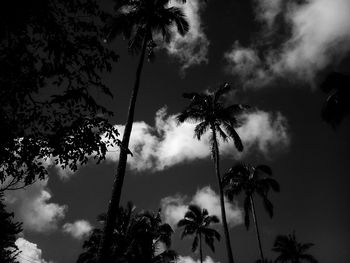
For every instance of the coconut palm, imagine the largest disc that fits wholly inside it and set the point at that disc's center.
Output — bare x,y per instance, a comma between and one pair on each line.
209,110
291,250
251,180
138,21
196,222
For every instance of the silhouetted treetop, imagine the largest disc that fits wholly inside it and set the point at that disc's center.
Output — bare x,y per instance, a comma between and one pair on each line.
145,19
137,237
9,231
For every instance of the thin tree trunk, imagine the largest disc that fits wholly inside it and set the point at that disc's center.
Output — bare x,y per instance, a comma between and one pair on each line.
257,229
222,201
200,247
106,242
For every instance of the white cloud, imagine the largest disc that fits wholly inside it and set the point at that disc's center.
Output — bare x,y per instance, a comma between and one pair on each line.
191,49
320,37
29,252
33,208
175,207
188,259
167,143
79,229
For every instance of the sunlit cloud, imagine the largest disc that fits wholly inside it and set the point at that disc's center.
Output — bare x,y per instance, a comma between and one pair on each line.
319,37
29,252
175,207
32,206
188,259
191,49
79,229
167,143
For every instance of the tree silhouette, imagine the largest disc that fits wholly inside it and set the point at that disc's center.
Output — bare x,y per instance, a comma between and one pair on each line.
291,250
252,180
137,237
209,110
138,21
196,222
337,104
52,57
9,231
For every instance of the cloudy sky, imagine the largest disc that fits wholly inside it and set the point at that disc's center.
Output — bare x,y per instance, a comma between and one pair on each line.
275,53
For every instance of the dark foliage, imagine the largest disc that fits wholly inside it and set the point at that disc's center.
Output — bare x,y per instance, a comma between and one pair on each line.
337,104
8,235
290,250
51,58
137,237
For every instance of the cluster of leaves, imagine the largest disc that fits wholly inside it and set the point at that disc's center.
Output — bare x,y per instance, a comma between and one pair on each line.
137,237
9,230
52,55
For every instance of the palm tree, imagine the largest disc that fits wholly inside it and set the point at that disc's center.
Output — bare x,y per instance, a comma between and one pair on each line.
251,180
209,110
291,250
137,237
138,21
196,222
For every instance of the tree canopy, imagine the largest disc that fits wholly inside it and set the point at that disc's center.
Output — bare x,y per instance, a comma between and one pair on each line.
52,56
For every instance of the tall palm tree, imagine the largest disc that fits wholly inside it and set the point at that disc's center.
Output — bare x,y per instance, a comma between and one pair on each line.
209,110
291,250
196,222
138,21
252,180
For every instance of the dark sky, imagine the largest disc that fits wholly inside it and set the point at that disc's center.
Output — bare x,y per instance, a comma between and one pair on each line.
312,169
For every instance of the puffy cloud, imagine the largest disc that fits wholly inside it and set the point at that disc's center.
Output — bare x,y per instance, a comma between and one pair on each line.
29,252
320,37
191,49
188,259
175,207
167,143
33,208
79,229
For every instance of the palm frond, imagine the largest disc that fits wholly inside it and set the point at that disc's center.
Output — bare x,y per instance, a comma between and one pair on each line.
234,135
223,89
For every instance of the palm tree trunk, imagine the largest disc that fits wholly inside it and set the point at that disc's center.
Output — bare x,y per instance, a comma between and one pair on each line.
257,229
200,247
106,242
222,201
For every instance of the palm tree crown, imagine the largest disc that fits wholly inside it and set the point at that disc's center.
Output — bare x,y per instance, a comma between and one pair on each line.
145,20
209,110
196,222
291,250
251,180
